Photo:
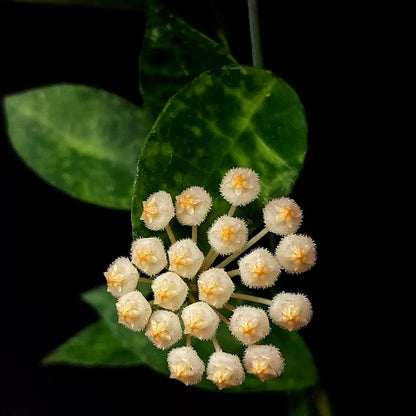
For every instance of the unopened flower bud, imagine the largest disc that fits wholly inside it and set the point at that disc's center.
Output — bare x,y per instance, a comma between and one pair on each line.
133,311
164,329
192,206
296,253
225,370
170,291
259,269
215,287
264,361
185,258
121,276
249,324
185,365
227,235
149,255
200,320
240,186
158,210
282,216
290,311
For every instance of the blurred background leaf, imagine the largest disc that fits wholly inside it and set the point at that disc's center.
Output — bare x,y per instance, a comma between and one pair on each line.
80,139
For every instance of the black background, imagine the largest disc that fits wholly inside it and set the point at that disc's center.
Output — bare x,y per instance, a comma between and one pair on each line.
348,65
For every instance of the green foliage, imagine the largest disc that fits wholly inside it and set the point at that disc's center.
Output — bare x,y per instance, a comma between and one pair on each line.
173,53
93,346
80,139
300,370
227,117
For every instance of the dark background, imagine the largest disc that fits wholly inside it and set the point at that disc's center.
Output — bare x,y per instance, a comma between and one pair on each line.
348,65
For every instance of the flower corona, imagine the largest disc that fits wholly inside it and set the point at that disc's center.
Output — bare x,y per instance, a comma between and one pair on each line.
191,296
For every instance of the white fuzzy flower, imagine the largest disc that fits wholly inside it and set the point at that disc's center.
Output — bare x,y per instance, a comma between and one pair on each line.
240,186
249,324
227,235
225,370
264,361
133,311
169,291
158,211
192,205
164,329
259,269
149,255
296,253
121,277
185,258
185,365
215,287
290,310
282,216
200,320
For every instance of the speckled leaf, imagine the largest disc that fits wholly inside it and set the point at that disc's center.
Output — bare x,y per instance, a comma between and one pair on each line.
80,139
173,53
227,117
108,4
93,346
300,370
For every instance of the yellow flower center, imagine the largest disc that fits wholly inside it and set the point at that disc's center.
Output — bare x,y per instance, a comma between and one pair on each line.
181,260
262,369
221,377
115,279
227,233
150,210
211,288
187,203
163,293
284,214
145,256
259,271
300,255
181,371
159,331
128,313
291,314
248,327
240,183
194,323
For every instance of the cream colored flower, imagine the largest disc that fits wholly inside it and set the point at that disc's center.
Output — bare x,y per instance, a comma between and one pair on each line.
192,206
227,235
185,258
170,291
133,311
121,276
290,311
215,287
296,253
259,269
225,370
282,216
264,361
158,211
200,320
249,324
149,255
164,329
240,186
185,365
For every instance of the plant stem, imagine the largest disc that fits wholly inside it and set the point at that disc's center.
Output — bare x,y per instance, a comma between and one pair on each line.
188,340
232,210
216,344
145,280
251,298
253,16
194,233
233,273
170,234
229,307
249,243
223,318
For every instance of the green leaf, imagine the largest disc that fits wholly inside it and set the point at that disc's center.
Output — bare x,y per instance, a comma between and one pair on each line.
80,139
300,372
311,402
173,53
227,117
107,4
93,346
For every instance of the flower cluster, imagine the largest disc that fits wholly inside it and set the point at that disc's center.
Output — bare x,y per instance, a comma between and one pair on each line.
187,287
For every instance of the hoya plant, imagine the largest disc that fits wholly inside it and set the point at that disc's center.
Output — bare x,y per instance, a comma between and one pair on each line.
206,167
